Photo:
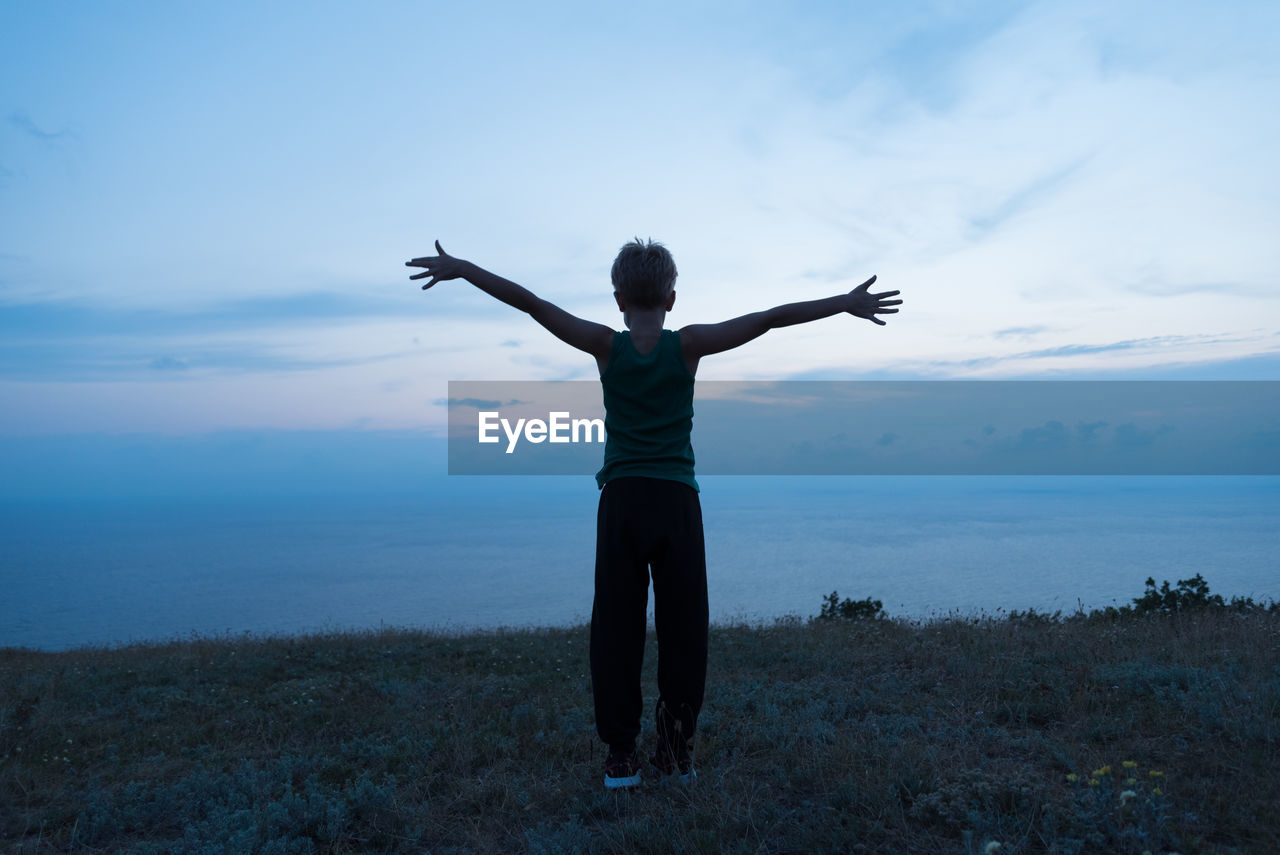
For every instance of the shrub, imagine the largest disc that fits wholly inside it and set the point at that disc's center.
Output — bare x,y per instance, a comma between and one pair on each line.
833,608
1191,594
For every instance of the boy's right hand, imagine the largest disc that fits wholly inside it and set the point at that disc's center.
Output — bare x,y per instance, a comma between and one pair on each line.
438,267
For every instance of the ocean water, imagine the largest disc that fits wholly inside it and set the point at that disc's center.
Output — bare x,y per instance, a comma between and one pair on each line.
482,553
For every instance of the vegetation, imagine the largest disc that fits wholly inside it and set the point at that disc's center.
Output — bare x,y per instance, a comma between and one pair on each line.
833,608
1151,728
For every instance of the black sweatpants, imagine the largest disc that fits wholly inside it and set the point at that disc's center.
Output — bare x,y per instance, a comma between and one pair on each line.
643,524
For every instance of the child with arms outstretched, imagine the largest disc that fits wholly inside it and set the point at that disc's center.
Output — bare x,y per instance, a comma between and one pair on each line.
649,518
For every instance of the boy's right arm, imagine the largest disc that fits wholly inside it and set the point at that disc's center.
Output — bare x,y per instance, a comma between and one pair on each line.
595,339
699,340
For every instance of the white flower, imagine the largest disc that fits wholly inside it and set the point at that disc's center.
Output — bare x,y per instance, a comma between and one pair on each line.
991,848
1126,795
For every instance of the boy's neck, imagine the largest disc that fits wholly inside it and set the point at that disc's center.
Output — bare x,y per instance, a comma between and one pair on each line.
645,323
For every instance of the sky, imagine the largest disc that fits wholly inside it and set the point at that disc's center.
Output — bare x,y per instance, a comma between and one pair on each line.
205,209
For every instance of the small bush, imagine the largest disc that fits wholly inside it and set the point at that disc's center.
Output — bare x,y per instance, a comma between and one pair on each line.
1191,593
833,608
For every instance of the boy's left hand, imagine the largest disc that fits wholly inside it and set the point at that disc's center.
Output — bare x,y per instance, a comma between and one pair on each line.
866,305
438,267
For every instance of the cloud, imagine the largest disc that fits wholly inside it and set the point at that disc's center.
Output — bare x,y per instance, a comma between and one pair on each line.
79,318
1088,431
1054,443
23,123
1020,332
1150,344
1027,197
1051,436
124,359
478,403
1207,356
1131,436
1172,288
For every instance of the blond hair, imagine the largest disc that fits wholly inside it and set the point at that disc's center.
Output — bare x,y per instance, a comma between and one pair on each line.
644,273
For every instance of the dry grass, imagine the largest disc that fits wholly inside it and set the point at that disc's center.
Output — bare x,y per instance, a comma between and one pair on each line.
817,736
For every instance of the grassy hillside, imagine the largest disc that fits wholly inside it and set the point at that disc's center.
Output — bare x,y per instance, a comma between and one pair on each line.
853,733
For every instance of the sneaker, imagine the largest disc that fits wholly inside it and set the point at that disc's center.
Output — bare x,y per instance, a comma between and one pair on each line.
672,760
621,769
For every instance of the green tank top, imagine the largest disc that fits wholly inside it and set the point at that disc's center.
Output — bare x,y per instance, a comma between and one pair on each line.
648,412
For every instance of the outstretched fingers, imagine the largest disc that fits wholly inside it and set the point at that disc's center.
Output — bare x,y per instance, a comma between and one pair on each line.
427,262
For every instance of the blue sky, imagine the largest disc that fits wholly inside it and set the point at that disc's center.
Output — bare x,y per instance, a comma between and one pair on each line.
205,209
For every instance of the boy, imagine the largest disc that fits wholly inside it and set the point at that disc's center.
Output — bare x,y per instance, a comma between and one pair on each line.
649,514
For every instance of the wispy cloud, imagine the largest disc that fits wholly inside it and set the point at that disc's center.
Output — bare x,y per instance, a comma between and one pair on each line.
125,359
1070,350
1031,195
1202,356
78,318
1155,287
1020,332
478,403
23,123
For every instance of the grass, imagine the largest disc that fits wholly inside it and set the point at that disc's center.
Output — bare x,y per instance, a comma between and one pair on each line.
867,735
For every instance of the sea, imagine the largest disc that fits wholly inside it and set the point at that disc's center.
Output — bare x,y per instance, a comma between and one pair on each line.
463,554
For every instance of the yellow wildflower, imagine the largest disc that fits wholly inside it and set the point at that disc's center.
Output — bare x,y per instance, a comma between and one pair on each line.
1153,773
1072,778
1105,770
1129,764
1093,782
1131,781
1157,792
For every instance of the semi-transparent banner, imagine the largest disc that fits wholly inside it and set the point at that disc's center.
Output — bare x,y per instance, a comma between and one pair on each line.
891,428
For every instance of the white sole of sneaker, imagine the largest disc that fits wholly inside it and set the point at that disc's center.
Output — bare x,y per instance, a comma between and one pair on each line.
621,783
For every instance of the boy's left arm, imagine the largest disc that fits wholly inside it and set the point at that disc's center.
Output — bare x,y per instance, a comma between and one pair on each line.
699,340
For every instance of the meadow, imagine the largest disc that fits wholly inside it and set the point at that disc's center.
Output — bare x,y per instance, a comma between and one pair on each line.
1147,728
